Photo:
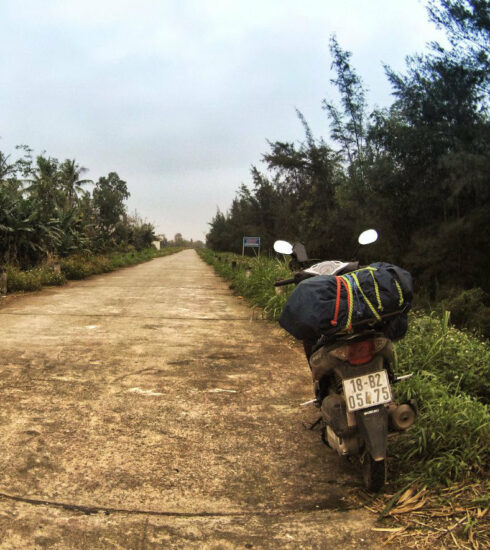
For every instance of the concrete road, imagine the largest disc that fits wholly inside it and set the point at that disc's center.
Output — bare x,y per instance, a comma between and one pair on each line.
147,409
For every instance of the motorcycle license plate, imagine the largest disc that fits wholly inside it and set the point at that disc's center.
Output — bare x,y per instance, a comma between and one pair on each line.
367,391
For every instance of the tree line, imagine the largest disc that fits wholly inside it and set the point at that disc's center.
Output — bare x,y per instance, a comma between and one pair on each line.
47,210
417,170
180,241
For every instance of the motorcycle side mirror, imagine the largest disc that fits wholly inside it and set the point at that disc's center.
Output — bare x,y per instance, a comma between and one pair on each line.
283,247
299,252
367,237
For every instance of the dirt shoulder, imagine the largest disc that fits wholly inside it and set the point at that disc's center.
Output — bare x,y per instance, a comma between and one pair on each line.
146,407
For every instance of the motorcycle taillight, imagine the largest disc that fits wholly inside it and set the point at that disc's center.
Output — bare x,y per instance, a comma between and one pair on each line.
361,352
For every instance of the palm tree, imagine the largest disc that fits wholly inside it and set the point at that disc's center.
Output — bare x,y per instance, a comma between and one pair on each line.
70,173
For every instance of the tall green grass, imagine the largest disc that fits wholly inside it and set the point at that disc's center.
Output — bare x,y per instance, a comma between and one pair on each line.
459,359
450,440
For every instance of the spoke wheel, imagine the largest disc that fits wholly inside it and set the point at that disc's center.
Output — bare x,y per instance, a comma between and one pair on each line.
373,473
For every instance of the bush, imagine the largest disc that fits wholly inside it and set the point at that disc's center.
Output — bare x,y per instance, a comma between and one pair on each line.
75,267
470,309
100,264
51,277
18,280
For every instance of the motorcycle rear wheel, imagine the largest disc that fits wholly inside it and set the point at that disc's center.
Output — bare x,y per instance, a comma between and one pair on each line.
373,473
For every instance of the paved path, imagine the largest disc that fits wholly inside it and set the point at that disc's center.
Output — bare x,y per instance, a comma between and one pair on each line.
146,409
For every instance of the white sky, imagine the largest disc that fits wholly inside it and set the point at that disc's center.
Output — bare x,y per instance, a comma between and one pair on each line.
179,96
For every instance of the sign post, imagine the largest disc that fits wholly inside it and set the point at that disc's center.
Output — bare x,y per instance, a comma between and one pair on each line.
251,242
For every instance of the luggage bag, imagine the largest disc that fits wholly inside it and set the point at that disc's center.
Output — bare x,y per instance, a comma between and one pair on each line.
376,295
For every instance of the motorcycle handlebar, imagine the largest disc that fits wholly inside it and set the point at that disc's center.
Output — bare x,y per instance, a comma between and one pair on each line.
284,282
298,277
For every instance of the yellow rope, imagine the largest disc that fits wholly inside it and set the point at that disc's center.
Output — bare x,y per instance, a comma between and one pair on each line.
351,299
376,290
400,292
366,268
371,307
371,270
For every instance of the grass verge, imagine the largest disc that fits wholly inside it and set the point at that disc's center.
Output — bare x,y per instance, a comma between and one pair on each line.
77,267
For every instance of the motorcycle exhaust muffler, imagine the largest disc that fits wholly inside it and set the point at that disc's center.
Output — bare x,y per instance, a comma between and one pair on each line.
401,416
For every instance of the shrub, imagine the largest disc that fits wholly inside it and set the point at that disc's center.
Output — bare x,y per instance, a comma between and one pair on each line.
18,280
75,267
51,277
471,309
100,264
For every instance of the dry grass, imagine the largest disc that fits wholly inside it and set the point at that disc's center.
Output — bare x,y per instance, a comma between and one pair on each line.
420,518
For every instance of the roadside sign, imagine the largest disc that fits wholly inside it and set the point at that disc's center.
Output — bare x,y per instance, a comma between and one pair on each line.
250,242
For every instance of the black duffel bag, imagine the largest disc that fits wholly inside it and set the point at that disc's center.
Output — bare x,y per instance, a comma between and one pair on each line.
327,304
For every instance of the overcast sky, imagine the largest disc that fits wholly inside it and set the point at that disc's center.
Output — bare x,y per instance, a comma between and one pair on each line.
179,96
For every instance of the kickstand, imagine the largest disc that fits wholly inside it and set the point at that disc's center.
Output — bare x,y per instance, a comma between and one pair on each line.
308,426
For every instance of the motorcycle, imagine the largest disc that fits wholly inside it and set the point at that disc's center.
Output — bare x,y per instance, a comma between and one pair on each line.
353,376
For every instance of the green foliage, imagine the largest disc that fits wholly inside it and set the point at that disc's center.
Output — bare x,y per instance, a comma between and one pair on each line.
45,212
450,440
460,360
50,276
451,437
77,267
23,280
143,234
180,241
82,266
108,202
467,26
348,126
470,309
33,279
291,204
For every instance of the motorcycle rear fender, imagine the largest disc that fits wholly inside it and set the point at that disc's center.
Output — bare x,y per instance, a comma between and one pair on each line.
322,363
373,428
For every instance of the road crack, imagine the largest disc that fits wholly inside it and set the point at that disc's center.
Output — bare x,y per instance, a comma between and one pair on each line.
108,510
